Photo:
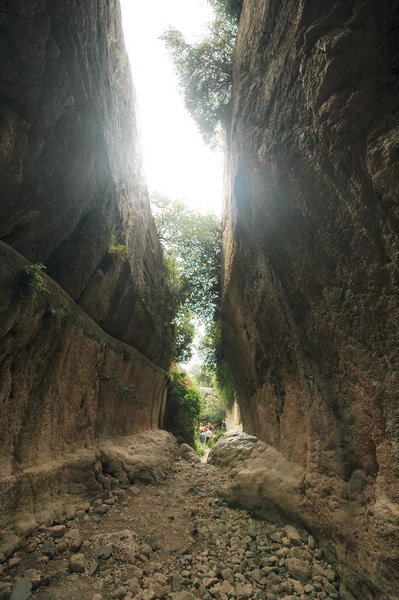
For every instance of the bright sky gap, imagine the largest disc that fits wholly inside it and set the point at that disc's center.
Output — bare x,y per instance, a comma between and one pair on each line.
176,161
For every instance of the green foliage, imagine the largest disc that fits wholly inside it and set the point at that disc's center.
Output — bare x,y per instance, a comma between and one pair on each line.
215,361
205,71
198,447
174,272
230,9
185,331
203,375
34,279
193,245
116,248
184,405
212,409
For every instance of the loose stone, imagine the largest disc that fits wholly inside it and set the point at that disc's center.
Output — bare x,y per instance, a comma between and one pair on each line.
119,593
77,563
105,552
293,535
76,544
183,596
93,567
48,549
35,577
298,569
21,590
14,561
57,531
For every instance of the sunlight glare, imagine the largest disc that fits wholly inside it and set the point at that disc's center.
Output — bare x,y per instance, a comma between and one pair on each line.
177,163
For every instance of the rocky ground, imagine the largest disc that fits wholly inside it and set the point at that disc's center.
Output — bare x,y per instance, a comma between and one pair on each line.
177,540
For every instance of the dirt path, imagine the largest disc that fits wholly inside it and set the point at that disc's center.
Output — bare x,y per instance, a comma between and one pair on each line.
172,540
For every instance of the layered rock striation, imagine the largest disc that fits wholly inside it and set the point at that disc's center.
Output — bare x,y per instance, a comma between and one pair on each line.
311,278
83,345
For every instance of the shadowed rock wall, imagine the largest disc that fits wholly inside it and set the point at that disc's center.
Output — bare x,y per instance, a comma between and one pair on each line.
64,382
73,197
71,182
311,276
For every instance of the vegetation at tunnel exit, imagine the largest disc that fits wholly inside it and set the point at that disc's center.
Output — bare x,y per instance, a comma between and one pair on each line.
184,405
193,248
205,69
215,363
192,242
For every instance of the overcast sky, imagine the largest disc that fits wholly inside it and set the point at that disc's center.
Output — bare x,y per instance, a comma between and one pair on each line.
177,163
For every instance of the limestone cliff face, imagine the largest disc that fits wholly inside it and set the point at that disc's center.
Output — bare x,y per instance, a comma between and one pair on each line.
73,198
311,276
71,183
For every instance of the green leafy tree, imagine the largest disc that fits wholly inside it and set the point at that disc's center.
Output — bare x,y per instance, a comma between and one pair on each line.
185,332
184,406
228,8
192,242
205,72
212,408
203,375
212,352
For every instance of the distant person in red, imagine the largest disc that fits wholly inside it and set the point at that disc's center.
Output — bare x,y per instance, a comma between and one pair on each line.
203,434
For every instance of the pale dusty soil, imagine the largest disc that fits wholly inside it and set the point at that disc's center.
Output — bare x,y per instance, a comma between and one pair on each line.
178,535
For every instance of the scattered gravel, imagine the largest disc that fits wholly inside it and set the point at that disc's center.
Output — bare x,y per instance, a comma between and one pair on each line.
176,540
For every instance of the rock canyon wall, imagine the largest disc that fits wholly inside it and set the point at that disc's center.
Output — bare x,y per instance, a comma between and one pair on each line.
73,198
311,277
71,180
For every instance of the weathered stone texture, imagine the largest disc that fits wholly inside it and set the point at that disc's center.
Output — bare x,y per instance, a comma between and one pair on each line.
64,385
311,276
71,181
64,382
73,197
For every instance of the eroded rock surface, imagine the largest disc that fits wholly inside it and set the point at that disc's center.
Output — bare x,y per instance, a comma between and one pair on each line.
311,272
55,490
73,198
72,190
65,385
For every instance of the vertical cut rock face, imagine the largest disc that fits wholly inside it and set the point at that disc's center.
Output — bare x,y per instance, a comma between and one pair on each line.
311,280
71,181
73,198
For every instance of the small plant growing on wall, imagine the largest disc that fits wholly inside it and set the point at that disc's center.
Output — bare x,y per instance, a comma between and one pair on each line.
118,249
34,279
62,315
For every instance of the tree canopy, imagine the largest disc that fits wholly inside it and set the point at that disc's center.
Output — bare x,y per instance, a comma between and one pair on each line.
228,8
192,242
184,406
205,70
212,408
